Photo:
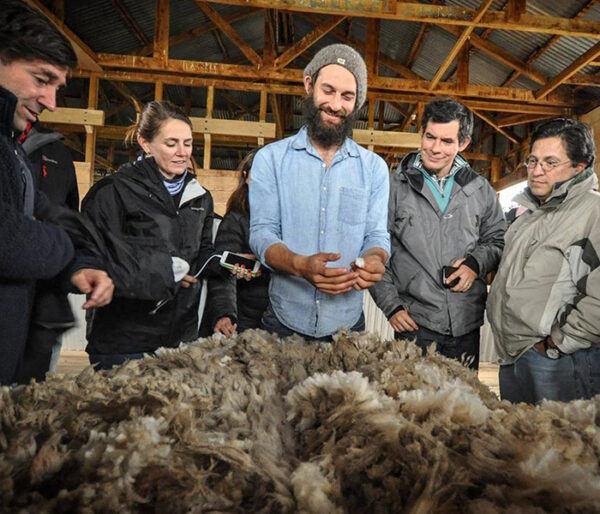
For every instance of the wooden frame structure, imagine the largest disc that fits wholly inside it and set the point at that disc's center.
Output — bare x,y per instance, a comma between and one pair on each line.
268,71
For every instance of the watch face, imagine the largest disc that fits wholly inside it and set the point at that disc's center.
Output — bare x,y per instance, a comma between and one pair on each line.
552,353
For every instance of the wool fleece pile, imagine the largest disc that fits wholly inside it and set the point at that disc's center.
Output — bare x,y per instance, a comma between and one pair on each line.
257,424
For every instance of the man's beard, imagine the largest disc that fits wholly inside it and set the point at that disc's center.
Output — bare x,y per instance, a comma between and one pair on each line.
323,134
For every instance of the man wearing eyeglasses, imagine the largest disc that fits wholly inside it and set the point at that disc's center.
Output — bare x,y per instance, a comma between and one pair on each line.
544,304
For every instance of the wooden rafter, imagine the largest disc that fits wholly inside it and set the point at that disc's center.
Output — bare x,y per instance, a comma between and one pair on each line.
459,43
205,28
384,59
230,32
219,71
161,31
86,57
427,13
579,63
543,49
307,41
130,21
491,122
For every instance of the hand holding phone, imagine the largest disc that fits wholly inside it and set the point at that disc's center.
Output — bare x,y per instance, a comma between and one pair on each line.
234,261
446,272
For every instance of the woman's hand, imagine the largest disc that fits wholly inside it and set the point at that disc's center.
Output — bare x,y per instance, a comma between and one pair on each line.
188,281
224,326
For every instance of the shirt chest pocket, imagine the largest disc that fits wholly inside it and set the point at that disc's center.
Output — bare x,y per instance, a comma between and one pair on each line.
353,206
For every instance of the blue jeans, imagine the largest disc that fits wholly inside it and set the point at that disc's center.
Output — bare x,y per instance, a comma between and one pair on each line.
271,323
448,345
112,359
534,377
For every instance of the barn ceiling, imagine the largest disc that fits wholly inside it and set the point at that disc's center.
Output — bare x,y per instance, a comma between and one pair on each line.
513,62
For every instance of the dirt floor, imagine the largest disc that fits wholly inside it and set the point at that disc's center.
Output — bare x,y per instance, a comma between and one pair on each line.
74,361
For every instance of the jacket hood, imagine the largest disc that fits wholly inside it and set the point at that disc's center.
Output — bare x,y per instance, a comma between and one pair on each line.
39,137
579,184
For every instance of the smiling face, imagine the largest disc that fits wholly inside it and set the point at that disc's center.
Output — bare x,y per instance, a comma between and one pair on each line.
439,146
552,151
35,84
171,147
334,93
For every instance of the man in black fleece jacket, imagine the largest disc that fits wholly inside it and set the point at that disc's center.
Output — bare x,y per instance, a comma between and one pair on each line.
34,60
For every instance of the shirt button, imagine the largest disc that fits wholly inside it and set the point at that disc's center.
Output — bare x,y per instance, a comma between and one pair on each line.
323,165
322,231
324,188
323,208
317,301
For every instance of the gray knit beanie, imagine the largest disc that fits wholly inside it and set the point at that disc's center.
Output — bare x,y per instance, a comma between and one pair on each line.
348,58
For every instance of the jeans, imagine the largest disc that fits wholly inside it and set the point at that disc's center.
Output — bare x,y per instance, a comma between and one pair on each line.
271,323
449,346
113,359
534,377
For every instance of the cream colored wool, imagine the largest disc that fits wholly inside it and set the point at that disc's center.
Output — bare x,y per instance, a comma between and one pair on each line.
257,424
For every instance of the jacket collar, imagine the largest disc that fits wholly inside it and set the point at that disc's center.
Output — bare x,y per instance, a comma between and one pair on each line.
572,188
8,104
463,178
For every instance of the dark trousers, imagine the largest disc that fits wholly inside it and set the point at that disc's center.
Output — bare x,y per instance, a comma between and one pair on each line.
271,323
449,346
113,359
38,353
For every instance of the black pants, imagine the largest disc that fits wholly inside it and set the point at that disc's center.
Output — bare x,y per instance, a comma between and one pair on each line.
449,346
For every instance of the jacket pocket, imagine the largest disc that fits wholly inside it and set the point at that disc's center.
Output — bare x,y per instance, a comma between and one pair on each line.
353,206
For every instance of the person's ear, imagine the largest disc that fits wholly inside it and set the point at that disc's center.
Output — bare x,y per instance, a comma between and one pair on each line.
464,144
308,85
580,167
144,145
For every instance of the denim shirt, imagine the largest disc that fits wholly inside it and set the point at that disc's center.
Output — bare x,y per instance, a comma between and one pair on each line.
296,200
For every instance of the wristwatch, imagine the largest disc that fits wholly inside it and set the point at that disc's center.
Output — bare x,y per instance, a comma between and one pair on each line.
552,352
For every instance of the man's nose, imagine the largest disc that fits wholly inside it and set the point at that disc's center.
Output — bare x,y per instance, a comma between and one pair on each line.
48,99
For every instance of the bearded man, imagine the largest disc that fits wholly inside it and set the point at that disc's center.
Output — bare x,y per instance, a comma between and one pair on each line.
318,203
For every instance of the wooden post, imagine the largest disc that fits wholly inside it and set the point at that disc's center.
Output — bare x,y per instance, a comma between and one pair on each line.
495,174
90,136
158,90
210,100
161,31
262,114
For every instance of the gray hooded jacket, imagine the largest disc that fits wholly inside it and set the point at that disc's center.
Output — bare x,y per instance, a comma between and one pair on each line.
548,282
424,239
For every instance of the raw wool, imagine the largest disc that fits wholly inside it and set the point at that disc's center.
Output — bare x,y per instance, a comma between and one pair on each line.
257,424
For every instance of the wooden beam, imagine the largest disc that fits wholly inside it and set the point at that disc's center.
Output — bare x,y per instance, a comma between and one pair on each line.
307,41
519,119
161,31
515,9
581,62
361,46
86,57
212,69
71,116
158,90
210,101
130,21
397,90
544,48
372,48
90,137
426,13
459,44
510,179
462,68
205,28
229,31
500,54
386,138
490,122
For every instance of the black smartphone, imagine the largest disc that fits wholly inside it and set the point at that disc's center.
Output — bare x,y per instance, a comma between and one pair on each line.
446,272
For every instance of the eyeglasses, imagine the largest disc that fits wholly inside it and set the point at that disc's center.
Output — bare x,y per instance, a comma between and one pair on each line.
531,162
